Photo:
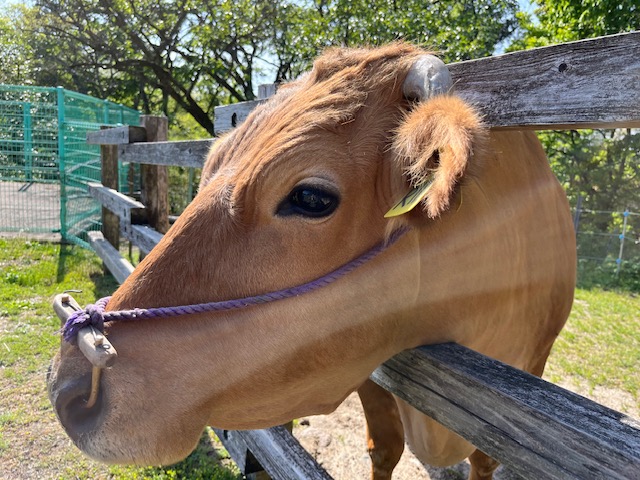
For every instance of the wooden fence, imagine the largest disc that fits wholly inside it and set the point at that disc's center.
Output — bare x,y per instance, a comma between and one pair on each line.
535,428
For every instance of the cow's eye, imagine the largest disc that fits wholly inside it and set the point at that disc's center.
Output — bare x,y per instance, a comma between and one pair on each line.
309,201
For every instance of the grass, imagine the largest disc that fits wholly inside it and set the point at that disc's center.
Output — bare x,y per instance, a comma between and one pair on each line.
32,444
600,344
598,349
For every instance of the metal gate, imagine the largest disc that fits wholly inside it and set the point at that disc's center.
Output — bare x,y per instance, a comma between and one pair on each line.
45,162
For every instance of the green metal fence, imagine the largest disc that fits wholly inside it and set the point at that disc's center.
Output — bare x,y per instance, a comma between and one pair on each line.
45,162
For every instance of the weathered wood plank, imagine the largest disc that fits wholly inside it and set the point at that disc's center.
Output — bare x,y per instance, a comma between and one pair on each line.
227,117
281,455
154,179
586,84
109,178
119,267
143,237
239,451
536,428
118,203
117,136
186,153
266,90
276,448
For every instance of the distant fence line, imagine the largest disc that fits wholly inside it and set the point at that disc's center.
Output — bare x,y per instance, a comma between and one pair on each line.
607,236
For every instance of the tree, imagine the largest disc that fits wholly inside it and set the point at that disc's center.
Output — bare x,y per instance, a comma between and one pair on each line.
194,53
16,54
600,166
568,20
460,30
191,55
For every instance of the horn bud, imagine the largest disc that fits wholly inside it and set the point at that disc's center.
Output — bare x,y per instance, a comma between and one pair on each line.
428,77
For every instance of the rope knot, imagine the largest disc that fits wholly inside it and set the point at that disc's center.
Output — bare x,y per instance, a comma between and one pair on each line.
92,315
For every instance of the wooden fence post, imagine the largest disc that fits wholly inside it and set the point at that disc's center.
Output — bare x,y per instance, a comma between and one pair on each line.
155,178
109,178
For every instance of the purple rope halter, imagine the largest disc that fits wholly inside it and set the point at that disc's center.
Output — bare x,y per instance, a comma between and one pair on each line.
96,316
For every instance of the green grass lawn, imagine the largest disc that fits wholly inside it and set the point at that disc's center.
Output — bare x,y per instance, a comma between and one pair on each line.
599,349
600,344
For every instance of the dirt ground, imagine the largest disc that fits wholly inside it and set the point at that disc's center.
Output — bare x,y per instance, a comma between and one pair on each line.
29,207
337,441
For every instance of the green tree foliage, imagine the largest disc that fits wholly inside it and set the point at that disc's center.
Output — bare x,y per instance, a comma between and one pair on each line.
600,166
567,20
191,55
460,30
16,53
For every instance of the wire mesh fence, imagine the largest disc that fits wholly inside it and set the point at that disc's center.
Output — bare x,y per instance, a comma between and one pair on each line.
608,247
45,162
29,187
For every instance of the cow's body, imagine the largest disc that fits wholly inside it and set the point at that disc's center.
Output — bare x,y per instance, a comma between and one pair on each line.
488,262
508,309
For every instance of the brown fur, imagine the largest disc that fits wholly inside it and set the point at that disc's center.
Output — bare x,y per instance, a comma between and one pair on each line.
495,273
439,138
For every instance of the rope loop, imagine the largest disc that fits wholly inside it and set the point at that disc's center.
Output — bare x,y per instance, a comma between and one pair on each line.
95,315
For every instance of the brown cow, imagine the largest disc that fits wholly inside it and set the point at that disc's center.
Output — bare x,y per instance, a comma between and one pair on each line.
299,189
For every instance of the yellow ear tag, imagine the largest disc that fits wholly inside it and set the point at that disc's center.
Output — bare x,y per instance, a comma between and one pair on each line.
409,201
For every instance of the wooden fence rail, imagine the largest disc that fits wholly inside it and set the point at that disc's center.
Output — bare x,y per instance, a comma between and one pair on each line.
586,84
539,430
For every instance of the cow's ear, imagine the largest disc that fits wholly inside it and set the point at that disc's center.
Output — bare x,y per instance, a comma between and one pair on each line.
436,145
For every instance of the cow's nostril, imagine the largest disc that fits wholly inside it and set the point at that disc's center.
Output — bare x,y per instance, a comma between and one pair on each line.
71,407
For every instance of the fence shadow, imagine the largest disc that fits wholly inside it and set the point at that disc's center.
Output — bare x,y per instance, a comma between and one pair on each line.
104,283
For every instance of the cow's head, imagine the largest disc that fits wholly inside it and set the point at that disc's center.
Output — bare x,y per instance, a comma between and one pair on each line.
300,188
